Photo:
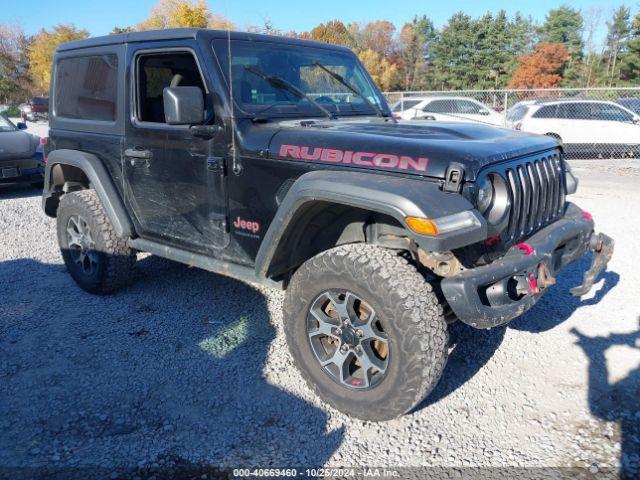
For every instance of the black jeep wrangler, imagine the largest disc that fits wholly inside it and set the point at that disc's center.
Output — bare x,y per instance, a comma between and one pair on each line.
276,161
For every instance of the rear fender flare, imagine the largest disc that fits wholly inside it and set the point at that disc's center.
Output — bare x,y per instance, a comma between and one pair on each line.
99,179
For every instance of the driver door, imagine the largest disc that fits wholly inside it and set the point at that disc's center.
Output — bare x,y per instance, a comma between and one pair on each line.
174,182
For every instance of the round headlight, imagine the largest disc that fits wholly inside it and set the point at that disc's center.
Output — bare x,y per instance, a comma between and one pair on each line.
484,194
493,198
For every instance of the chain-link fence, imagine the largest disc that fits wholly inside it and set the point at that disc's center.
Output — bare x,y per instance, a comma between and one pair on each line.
591,123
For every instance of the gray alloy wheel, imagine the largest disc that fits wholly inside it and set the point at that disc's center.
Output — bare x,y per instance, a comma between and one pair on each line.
348,340
81,244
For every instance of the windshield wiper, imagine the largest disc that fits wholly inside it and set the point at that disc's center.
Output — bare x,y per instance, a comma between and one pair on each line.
282,84
354,90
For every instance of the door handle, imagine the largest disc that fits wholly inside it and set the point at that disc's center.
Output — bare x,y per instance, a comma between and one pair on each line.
135,153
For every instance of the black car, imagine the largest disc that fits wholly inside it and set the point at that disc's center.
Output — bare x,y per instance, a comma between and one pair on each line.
276,161
20,154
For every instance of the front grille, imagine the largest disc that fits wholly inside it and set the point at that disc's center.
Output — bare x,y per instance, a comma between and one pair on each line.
537,194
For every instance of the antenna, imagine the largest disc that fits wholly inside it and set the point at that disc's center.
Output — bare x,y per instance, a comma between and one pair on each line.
235,166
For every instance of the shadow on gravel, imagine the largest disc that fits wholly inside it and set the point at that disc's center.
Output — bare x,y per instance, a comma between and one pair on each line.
10,191
165,375
615,401
473,348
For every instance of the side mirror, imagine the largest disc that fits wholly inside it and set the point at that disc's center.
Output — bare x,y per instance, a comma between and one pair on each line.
21,126
183,105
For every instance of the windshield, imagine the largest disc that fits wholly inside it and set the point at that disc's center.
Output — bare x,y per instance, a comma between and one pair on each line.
6,125
300,67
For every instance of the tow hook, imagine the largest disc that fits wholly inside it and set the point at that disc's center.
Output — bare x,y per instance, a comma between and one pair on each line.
545,278
534,283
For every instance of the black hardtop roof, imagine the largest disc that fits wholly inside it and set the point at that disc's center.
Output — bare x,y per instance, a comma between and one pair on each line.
183,33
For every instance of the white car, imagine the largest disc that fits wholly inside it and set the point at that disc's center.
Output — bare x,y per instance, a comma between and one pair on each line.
446,109
585,127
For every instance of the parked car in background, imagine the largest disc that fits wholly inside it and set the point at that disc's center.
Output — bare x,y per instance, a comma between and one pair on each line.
446,109
630,103
20,154
36,109
587,128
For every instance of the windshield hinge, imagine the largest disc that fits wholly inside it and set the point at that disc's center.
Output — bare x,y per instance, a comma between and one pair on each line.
453,178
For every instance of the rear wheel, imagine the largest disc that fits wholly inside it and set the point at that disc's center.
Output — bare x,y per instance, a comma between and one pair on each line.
97,259
366,331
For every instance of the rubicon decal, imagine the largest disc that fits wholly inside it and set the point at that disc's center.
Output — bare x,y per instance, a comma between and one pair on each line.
367,159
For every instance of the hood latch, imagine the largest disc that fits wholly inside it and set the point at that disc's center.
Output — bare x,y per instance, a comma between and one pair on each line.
453,178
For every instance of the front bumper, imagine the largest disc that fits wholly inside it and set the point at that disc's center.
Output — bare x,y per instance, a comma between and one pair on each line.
494,294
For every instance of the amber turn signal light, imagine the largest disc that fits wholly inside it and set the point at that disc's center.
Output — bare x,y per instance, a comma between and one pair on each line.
422,226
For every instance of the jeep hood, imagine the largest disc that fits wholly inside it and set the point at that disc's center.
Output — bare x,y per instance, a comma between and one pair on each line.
403,147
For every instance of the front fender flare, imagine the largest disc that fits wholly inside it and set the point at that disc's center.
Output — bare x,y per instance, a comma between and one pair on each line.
398,197
99,179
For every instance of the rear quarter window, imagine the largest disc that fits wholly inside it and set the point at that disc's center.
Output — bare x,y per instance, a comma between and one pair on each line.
86,87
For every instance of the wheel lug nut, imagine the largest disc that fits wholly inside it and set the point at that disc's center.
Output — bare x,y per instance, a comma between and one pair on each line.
358,350
338,331
344,347
359,333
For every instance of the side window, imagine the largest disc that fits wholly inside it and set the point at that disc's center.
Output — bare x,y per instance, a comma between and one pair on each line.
468,108
610,113
548,111
155,72
440,106
575,111
86,87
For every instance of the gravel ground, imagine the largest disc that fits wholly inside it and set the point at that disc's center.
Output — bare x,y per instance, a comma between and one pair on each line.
190,368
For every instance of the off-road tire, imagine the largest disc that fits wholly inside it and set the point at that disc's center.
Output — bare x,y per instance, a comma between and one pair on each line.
115,259
413,321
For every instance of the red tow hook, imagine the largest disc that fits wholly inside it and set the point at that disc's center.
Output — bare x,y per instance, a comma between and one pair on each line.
586,215
526,248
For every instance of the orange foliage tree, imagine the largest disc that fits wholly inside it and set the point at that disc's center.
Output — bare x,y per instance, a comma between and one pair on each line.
542,68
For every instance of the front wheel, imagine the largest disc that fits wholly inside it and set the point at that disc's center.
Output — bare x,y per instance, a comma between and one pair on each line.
366,331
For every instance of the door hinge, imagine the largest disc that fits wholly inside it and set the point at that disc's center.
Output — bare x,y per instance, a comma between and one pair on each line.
453,178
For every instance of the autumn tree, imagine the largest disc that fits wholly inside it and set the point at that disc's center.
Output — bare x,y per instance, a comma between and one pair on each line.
183,13
565,25
42,49
377,36
15,83
334,32
383,72
541,69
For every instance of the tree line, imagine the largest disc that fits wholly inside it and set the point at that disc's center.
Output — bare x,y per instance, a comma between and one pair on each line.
488,52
